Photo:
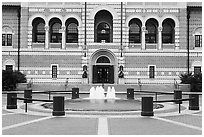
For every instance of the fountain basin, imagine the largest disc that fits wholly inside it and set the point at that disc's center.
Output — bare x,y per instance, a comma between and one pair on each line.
107,105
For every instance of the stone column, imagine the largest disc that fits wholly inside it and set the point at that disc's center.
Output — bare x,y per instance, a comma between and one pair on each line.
159,38
80,38
143,37
30,36
176,29
126,37
46,37
63,37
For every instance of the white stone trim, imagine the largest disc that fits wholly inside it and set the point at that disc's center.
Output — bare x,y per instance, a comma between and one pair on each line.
103,7
72,16
173,17
36,16
9,62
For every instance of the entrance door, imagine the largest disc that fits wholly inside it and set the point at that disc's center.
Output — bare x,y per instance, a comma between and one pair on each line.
103,74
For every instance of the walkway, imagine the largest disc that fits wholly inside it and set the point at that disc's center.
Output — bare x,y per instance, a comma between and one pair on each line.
17,122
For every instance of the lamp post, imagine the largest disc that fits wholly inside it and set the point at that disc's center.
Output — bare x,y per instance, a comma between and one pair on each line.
19,36
188,17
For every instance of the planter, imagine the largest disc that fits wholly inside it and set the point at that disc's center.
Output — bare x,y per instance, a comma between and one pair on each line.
121,81
21,86
184,87
84,80
196,87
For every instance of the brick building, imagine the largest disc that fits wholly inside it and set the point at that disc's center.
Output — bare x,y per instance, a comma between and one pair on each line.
92,43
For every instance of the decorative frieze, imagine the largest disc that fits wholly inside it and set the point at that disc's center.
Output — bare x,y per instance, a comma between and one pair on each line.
73,10
36,10
55,10
150,10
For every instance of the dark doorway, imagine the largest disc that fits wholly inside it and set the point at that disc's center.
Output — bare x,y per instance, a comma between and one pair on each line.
103,74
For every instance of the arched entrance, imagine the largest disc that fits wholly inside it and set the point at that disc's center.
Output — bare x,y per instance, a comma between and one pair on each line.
103,67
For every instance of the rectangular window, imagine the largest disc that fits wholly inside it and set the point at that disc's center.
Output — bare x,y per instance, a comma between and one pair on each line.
151,71
54,71
9,39
198,40
9,67
6,39
3,40
197,69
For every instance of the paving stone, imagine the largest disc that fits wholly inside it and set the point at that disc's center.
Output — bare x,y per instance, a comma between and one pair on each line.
147,126
57,126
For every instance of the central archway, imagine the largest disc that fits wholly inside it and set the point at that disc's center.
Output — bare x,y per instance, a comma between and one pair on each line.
103,67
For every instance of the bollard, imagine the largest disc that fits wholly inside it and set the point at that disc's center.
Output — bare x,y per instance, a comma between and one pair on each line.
58,106
177,95
147,106
28,94
194,103
11,101
75,93
130,93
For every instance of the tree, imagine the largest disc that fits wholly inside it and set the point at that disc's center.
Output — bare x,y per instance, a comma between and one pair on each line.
194,79
11,78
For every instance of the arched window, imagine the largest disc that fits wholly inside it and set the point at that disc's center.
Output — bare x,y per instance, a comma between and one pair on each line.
103,27
103,59
55,35
135,31
168,33
71,31
38,30
103,32
151,27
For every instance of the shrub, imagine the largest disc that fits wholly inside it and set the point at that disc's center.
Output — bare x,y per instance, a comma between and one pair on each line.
194,79
11,78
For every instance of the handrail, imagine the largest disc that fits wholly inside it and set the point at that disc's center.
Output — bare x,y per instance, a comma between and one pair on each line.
154,92
28,99
175,100
51,91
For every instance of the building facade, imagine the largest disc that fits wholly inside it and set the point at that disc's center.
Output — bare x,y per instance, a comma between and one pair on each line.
93,43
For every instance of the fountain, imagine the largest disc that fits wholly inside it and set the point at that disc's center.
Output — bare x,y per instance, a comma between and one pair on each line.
98,93
97,101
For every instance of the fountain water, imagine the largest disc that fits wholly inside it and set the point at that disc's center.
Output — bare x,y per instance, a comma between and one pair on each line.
98,93
110,93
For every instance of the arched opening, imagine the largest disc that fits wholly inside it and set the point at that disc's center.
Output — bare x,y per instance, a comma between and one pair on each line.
135,31
103,67
71,30
55,26
151,35
103,24
38,35
168,32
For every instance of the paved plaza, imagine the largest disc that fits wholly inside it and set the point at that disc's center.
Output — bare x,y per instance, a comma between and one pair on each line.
39,121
